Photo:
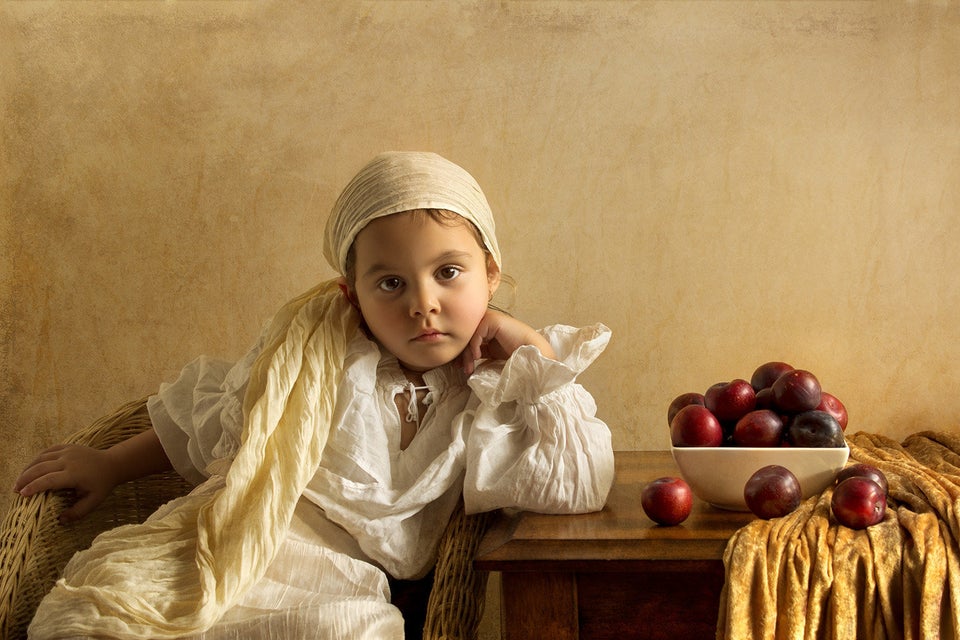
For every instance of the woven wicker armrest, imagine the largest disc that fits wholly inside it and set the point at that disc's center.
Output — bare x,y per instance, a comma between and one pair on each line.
34,546
459,591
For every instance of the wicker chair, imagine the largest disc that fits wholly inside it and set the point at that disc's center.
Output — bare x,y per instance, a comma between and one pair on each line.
34,546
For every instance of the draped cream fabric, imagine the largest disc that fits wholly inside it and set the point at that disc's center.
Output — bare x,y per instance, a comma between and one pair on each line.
402,181
179,571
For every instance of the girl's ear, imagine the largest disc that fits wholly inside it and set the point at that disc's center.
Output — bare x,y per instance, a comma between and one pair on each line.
348,293
493,275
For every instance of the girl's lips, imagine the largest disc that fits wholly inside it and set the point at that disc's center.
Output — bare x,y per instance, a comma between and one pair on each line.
429,336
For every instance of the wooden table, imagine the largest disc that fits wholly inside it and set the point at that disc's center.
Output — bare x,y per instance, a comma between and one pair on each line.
615,573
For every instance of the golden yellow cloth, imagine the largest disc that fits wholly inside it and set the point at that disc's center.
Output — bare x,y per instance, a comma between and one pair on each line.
178,572
805,576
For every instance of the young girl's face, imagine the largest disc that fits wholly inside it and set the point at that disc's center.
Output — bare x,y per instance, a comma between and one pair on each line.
422,286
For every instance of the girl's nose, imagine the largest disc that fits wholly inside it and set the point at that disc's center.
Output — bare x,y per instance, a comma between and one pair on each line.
423,300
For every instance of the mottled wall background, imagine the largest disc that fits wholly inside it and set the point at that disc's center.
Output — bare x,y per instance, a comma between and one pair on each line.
722,183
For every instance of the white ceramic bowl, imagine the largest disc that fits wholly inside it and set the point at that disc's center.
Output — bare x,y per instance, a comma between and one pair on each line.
717,474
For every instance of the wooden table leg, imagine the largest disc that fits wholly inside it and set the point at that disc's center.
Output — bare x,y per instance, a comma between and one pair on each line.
538,605
657,604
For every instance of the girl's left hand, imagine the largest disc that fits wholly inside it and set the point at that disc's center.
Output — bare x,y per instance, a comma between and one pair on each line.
497,336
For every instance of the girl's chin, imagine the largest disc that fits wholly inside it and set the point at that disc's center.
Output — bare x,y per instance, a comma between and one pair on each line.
419,365
422,367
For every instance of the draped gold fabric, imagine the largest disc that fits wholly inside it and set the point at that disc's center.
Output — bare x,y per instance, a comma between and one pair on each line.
179,571
805,576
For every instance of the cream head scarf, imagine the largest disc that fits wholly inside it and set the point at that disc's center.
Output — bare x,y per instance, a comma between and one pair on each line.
399,181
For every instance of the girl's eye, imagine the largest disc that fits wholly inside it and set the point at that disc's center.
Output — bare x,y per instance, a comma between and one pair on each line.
448,273
390,284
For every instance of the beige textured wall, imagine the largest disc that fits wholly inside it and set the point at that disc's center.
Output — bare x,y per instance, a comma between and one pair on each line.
721,183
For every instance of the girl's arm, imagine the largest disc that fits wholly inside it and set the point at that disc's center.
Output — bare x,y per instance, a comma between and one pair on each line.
498,336
533,440
200,414
92,473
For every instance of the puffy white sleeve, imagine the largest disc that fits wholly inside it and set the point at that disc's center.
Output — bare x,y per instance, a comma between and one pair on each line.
199,416
535,442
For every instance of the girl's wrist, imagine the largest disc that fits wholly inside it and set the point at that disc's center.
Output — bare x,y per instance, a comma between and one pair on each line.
139,456
117,467
543,345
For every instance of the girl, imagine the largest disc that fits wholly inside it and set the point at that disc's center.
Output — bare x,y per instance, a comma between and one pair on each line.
334,453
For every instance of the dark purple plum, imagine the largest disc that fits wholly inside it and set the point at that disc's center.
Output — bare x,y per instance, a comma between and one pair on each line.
766,374
667,500
682,401
772,492
759,428
814,429
796,391
863,470
858,502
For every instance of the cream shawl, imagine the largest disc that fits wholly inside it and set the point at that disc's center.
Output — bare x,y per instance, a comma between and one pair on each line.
178,572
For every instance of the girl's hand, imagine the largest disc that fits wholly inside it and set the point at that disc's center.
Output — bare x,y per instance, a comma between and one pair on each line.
85,470
497,336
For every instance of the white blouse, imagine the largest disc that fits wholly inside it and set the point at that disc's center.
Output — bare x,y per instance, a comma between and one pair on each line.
520,433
